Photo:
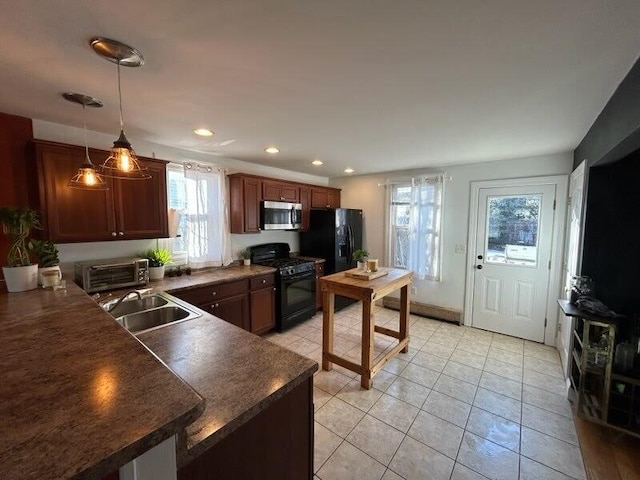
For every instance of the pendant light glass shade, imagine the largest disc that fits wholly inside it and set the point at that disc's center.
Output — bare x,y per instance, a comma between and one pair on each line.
87,177
122,162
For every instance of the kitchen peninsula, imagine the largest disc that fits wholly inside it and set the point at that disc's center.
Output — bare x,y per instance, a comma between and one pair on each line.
80,396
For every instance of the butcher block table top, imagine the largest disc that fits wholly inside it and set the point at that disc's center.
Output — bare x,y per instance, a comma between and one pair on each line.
367,291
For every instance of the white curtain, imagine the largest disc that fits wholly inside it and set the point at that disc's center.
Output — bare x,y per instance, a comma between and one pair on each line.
424,226
207,219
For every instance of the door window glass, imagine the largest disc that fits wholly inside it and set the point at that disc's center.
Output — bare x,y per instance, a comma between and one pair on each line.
512,229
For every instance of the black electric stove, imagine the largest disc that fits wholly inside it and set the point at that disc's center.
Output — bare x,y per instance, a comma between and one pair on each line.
295,283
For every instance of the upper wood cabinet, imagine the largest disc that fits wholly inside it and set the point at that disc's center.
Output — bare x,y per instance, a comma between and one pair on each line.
325,197
279,192
245,194
130,209
305,201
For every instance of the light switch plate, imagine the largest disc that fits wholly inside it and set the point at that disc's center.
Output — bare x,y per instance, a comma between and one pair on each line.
460,248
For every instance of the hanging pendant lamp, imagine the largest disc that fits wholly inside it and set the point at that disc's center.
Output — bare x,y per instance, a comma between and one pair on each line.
87,177
122,162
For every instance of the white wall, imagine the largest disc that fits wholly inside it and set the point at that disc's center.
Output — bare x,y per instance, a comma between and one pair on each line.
73,252
363,192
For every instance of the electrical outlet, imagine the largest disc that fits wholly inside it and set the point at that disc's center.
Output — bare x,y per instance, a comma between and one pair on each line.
414,290
460,248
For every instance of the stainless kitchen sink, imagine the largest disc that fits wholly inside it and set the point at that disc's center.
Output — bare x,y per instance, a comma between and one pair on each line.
154,311
136,305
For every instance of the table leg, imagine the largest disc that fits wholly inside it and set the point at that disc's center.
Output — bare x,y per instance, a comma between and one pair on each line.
367,345
328,299
404,315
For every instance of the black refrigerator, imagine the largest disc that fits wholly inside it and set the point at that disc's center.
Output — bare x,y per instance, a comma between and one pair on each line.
334,235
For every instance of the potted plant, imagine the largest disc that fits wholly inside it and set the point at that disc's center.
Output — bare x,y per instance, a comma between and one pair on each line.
360,256
47,254
19,274
158,258
245,254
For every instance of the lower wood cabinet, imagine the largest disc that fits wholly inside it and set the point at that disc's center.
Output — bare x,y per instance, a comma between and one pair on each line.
275,444
249,303
262,299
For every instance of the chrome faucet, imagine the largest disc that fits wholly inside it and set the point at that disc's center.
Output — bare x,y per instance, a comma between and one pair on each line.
123,298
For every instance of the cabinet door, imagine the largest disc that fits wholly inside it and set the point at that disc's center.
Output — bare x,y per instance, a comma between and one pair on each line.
251,197
319,198
71,215
263,310
319,273
234,310
141,205
289,193
333,198
305,201
271,191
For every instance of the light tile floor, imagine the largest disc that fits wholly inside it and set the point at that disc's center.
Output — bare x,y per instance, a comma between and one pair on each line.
462,404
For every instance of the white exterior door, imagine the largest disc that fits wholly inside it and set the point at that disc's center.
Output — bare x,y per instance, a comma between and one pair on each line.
512,259
570,264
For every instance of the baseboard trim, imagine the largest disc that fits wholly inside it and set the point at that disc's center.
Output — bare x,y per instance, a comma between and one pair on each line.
425,310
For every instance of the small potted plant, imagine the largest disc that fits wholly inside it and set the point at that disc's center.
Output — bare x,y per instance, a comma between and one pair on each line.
360,256
20,275
158,258
245,254
47,254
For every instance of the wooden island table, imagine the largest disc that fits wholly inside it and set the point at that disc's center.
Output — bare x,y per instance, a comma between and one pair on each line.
367,291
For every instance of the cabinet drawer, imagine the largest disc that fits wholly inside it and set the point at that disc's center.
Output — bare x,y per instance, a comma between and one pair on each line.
207,295
262,282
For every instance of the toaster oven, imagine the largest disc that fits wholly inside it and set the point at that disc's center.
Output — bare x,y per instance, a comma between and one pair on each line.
110,274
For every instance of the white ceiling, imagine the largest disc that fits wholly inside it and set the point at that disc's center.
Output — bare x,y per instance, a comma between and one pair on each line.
374,85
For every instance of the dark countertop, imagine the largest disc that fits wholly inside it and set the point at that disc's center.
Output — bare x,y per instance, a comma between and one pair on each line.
313,259
239,374
199,278
79,395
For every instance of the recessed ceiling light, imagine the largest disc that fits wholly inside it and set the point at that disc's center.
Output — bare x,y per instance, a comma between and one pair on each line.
317,162
348,170
272,150
203,132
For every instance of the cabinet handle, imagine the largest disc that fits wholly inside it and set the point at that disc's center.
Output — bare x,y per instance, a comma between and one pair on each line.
264,281
113,234
121,233
274,289
213,294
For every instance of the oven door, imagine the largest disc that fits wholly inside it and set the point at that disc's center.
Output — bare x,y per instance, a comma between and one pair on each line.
297,297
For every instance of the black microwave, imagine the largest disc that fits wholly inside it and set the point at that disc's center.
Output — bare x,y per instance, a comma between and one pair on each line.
280,215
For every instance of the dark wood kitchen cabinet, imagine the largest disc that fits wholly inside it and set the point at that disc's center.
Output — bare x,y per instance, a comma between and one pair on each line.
130,209
279,192
277,443
305,201
325,197
247,303
262,299
245,193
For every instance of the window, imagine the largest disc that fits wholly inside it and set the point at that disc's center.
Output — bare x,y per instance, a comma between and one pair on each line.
414,226
197,193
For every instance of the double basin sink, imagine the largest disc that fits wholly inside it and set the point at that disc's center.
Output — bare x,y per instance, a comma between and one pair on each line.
149,312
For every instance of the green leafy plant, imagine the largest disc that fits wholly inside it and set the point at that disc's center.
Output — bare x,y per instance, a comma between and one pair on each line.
46,251
245,253
17,222
157,257
360,254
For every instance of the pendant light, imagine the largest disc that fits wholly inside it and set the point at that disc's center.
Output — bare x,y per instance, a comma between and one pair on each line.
87,178
122,162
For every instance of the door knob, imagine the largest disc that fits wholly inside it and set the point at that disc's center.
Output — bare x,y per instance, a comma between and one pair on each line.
479,267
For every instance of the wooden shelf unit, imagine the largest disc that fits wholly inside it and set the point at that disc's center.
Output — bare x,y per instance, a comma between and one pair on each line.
603,396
